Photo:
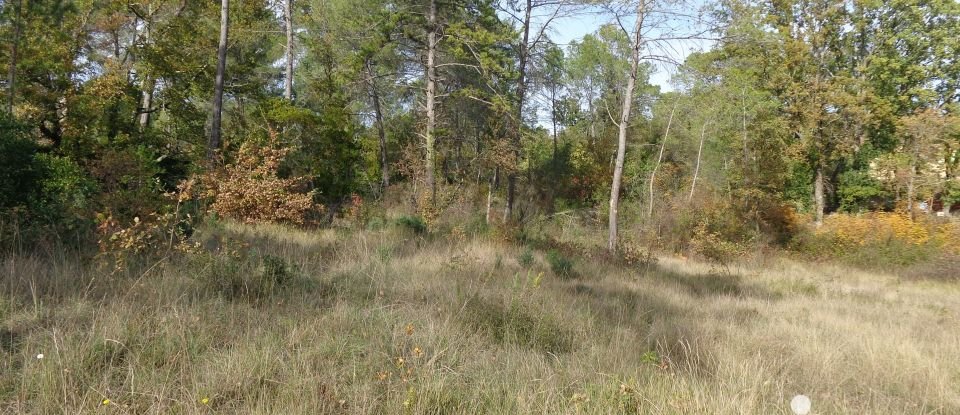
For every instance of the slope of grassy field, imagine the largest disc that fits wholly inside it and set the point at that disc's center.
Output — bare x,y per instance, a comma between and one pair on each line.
269,320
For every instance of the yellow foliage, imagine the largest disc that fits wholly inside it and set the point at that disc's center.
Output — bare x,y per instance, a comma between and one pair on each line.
851,231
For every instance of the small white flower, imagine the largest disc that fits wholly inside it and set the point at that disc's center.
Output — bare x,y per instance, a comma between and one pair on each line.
40,356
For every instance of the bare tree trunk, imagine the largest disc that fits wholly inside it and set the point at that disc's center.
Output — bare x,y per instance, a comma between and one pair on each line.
213,146
521,91
479,166
696,172
553,119
746,151
622,133
818,196
593,129
910,193
431,92
146,101
381,132
663,145
14,50
288,79
147,84
493,186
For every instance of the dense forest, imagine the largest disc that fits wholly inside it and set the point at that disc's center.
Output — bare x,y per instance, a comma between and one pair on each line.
289,111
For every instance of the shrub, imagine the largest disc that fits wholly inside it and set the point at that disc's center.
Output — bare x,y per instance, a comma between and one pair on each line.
413,223
19,173
714,248
66,189
376,223
517,324
250,190
631,254
235,276
275,272
560,264
526,258
127,183
879,239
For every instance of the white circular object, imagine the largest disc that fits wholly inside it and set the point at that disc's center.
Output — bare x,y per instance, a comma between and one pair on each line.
800,405
40,356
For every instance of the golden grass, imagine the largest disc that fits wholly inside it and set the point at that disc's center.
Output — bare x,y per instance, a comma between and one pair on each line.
391,322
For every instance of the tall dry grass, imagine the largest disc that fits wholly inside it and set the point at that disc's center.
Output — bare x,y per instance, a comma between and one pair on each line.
267,319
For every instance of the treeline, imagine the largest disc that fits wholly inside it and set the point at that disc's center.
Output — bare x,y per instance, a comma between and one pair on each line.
122,114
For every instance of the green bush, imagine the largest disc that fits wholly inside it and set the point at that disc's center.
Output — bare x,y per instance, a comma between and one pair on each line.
526,258
413,223
43,194
236,277
65,190
275,272
517,324
376,223
560,264
19,172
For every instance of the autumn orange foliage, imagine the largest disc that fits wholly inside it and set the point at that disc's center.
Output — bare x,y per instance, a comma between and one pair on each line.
250,191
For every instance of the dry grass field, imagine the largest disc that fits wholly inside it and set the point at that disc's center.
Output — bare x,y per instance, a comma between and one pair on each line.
270,320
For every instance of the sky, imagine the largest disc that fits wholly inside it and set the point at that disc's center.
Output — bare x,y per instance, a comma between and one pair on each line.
567,29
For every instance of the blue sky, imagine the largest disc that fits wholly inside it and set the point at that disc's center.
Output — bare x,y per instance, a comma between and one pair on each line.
567,29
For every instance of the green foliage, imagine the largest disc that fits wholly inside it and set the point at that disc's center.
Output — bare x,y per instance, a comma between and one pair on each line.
53,191
951,193
66,190
859,192
276,272
324,145
517,323
238,277
561,265
413,223
526,258
127,180
20,173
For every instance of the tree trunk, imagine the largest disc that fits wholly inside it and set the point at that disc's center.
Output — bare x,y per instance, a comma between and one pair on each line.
288,79
493,185
521,91
622,132
696,172
381,132
818,196
553,119
14,50
146,101
147,83
213,146
911,191
746,151
663,145
431,91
